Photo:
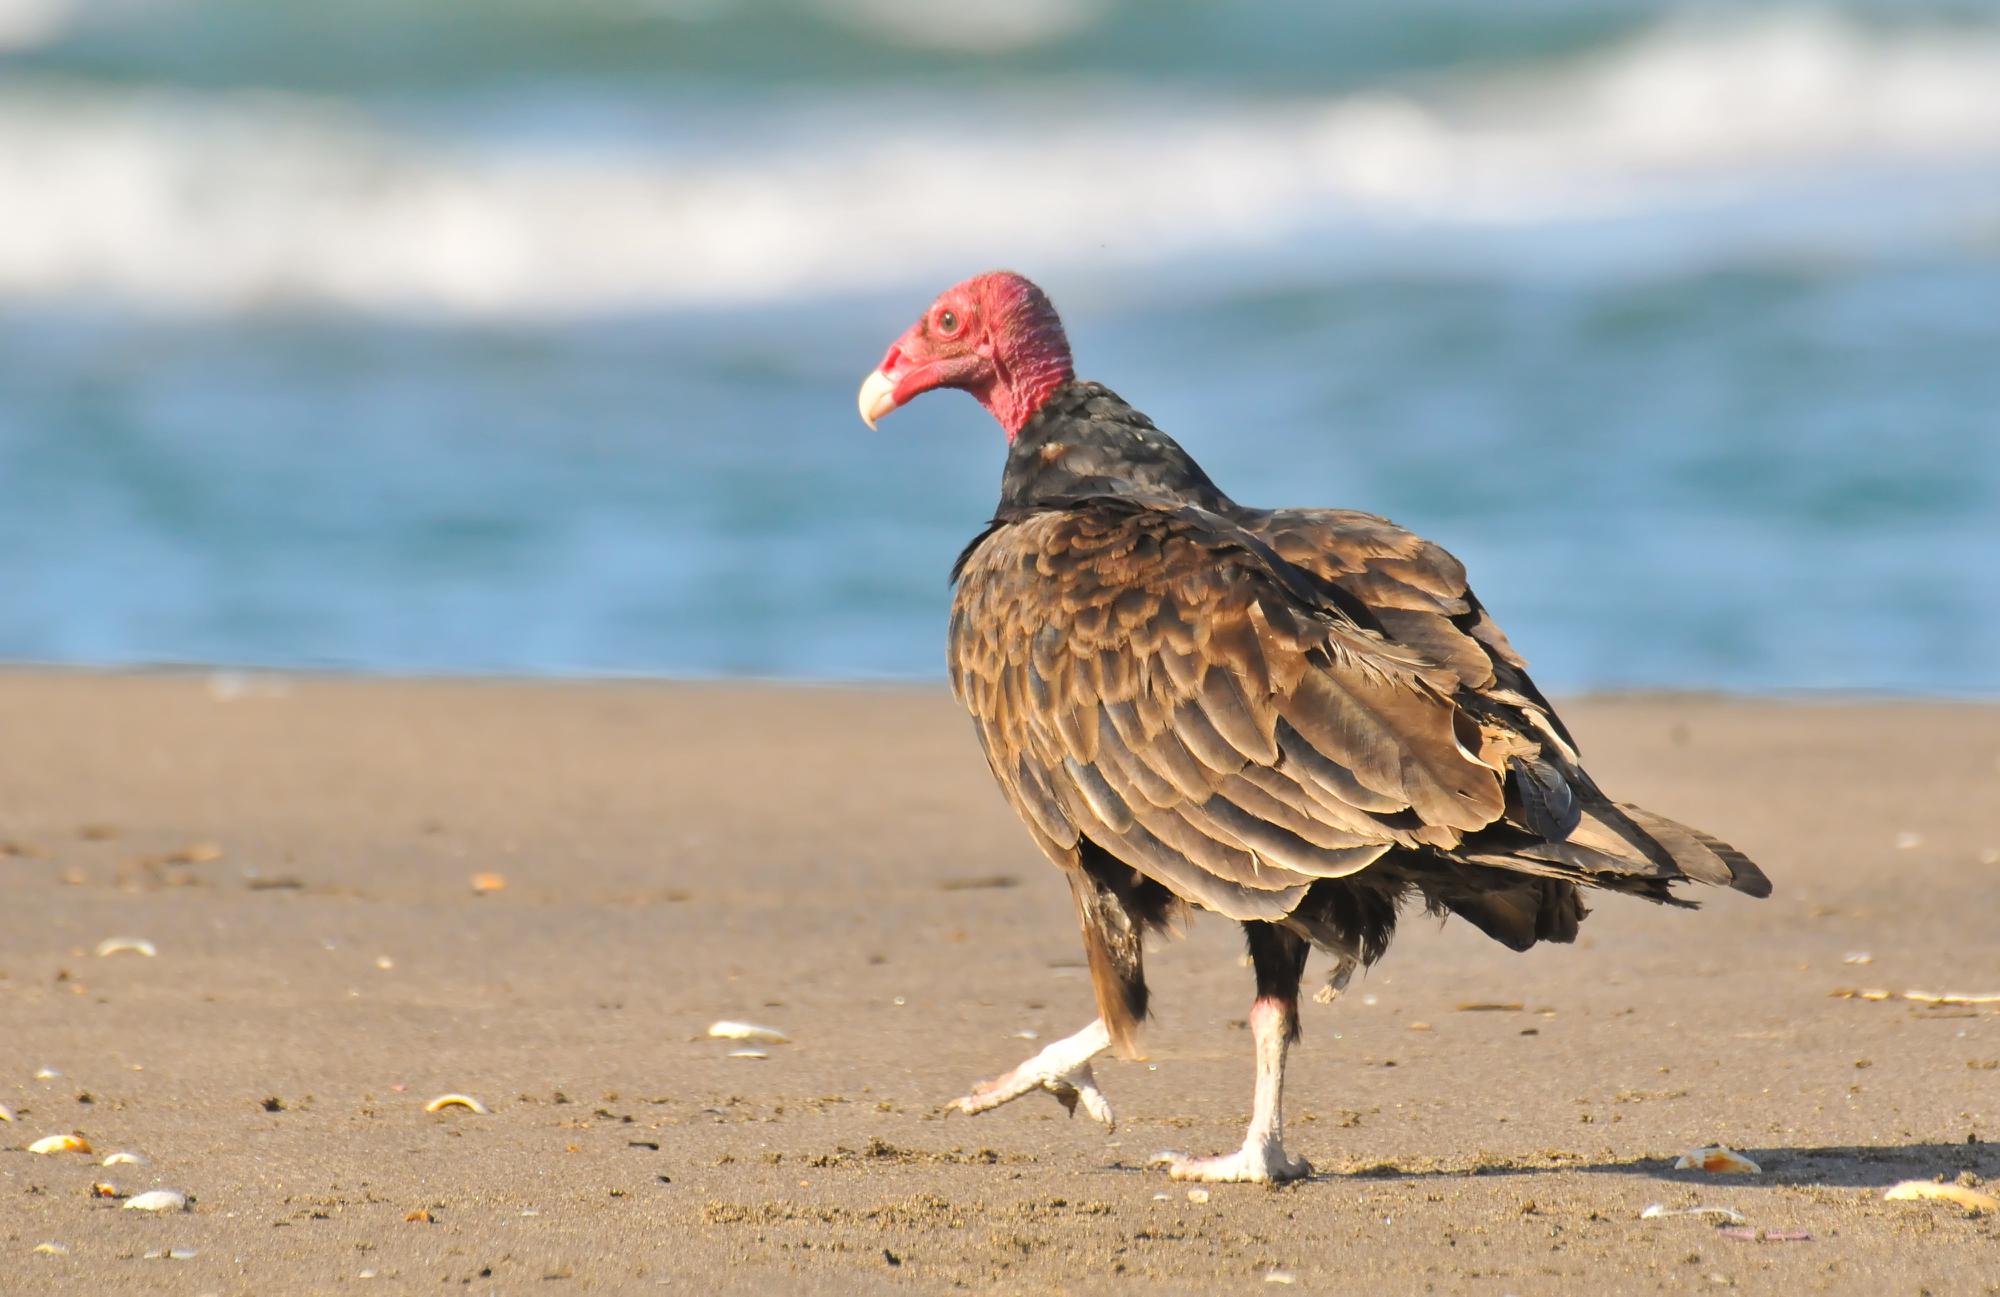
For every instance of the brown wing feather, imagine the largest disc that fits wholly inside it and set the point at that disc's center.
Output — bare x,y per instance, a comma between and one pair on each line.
1198,708
1557,821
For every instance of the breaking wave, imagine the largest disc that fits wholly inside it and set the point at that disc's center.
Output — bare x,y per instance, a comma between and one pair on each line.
1699,142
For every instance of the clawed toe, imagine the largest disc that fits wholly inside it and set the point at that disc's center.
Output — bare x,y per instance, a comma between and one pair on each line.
1062,1068
1076,1088
1257,1164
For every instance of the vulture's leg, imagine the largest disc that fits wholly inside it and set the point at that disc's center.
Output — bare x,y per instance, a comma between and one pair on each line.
1063,1069
1280,959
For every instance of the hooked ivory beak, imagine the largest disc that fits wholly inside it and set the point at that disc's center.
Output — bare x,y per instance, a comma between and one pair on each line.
878,397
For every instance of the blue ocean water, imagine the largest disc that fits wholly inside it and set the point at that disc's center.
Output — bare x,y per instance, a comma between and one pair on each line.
377,337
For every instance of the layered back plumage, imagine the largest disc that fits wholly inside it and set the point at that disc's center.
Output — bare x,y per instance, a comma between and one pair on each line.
1268,713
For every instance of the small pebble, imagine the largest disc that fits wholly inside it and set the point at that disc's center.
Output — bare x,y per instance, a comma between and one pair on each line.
1197,1195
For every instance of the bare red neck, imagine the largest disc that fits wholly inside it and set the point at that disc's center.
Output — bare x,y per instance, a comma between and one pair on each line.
1030,351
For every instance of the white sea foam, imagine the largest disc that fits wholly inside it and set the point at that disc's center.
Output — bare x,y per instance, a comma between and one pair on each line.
981,25
1698,142
28,23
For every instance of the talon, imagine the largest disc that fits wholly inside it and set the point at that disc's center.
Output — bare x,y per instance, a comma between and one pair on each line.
1252,1164
1062,1068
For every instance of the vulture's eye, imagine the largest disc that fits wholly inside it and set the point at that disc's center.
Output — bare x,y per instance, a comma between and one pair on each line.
947,323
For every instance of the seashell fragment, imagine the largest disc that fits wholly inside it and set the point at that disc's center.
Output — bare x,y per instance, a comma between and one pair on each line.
157,1200
1950,997
52,1249
1660,1209
6,1113
1718,1159
484,883
103,1189
60,1144
748,1053
126,945
122,1158
1921,1190
728,1030
444,1101
1285,1277
46,1074
1197,1195
1768,1235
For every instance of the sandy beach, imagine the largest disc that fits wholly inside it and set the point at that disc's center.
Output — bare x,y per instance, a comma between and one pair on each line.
301,855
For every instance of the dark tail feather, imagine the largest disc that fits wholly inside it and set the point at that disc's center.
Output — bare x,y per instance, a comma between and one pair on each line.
1699,855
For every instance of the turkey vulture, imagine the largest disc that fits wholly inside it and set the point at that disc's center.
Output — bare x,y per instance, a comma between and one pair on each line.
1297,718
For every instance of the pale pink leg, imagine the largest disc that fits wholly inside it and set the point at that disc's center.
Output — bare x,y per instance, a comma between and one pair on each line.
1063,1069
1262,1157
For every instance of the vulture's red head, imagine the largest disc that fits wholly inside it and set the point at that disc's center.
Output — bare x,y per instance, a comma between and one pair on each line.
995,336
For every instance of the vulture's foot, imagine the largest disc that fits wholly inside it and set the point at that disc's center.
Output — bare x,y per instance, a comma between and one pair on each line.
1264,1162
1063,1069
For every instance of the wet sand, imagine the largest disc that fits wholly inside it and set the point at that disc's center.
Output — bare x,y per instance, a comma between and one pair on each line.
835,862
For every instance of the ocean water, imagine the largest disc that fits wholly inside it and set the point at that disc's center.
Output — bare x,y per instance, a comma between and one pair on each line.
405,335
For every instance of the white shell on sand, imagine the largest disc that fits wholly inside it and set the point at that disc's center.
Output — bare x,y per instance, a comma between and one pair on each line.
157,1200
444,1101
1922,1190
126,945
60,1144
727,1030
1660,1209
1719,1159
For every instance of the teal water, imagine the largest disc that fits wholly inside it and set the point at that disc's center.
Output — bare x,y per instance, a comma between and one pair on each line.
369,337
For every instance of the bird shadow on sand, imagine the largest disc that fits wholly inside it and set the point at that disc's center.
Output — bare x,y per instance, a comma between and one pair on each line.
1837,1166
